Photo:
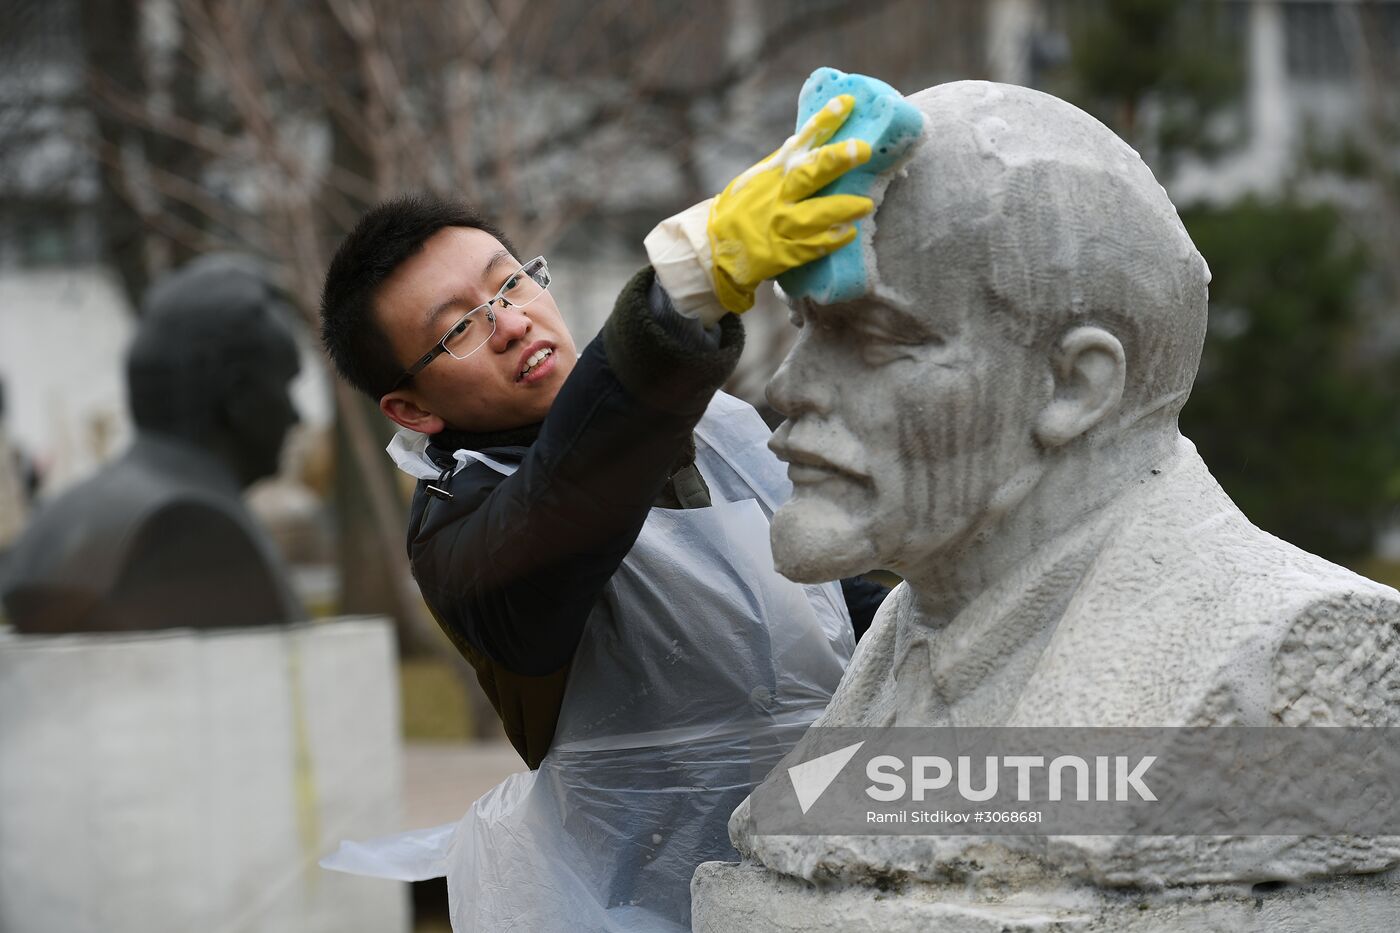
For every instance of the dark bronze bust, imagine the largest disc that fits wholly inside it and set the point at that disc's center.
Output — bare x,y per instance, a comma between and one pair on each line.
160,538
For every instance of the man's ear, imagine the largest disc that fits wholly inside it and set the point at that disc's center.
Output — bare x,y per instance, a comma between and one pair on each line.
1089,370
399,407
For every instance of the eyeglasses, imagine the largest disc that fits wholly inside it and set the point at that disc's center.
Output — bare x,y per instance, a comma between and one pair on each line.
474,328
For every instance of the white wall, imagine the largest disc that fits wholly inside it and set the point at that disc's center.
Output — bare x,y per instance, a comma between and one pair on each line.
180,781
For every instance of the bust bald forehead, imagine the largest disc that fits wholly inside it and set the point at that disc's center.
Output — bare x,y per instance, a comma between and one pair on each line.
1046,217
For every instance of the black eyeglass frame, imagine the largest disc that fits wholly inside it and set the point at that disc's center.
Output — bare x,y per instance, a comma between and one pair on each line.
540,276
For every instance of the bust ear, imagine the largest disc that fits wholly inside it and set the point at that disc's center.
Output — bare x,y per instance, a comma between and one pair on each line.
399,407
1089,369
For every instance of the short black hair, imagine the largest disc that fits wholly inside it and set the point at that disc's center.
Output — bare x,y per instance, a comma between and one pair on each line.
382,241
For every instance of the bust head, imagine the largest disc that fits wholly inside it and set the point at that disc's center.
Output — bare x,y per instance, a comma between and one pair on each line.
212,363
1036,326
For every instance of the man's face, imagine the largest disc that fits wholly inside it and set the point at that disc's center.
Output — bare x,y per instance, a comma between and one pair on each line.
458,269
908,421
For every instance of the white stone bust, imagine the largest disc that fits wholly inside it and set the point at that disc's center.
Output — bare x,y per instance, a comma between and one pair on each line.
1038,323
998,424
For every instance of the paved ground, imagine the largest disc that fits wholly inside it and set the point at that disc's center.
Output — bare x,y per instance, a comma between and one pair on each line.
442,779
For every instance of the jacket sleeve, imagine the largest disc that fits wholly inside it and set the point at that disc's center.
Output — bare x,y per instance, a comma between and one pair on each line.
863,598
512,566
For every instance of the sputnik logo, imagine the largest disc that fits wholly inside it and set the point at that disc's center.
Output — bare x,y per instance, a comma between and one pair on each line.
811,778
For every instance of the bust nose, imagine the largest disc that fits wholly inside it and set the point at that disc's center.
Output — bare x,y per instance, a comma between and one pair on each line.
798,387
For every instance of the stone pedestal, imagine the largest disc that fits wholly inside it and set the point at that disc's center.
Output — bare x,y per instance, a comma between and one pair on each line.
728,898
173,781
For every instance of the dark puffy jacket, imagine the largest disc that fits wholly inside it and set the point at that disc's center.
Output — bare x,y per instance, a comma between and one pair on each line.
512,566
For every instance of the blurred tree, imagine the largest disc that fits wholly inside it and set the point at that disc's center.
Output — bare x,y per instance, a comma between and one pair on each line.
110,33
1293,408
1296,423
1371,155
1160,72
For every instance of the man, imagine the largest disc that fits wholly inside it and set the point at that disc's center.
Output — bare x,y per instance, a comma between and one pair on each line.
590,530
161,538
997,422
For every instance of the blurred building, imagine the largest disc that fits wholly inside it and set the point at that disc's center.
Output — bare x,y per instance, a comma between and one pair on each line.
1304,61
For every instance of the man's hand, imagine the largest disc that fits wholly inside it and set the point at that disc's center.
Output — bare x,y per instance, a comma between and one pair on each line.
766,222
712,256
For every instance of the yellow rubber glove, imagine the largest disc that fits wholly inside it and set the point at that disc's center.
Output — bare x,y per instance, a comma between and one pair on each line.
766,222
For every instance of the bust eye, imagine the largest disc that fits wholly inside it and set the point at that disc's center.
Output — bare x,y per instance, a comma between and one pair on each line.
879,328
512,282
878,353
877,334
882,342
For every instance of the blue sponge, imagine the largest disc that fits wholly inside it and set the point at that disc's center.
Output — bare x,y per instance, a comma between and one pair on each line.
892,126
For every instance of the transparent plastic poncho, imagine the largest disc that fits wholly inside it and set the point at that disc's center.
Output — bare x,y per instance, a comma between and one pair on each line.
697,650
